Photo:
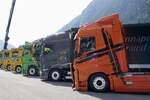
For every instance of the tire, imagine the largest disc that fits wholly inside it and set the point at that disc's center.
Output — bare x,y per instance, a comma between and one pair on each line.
32,71
9,68
99,83
18,69
55,75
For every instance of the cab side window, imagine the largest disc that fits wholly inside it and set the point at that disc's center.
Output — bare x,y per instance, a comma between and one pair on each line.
87,44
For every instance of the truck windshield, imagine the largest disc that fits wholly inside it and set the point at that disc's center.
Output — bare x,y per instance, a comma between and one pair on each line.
15,54
87,44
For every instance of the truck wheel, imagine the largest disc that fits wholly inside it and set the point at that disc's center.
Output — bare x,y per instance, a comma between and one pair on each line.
99,83
18,69
32,71
9,67
55,75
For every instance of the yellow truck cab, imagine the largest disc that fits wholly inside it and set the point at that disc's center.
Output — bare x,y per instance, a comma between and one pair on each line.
17,59
7,60
1,58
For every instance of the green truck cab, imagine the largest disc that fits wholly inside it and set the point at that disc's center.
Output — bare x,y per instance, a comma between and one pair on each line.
30,62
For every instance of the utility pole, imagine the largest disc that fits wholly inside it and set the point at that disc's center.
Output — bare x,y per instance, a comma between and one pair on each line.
8,25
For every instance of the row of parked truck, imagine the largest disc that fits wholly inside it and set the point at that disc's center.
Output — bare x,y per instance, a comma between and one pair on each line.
100,56
47,57
19,60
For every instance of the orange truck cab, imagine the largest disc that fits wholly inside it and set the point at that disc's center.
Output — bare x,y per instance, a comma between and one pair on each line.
100,62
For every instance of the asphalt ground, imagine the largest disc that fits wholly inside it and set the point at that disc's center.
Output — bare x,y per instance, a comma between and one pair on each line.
18,87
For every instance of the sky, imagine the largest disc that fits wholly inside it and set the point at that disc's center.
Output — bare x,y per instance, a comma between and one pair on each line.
35,19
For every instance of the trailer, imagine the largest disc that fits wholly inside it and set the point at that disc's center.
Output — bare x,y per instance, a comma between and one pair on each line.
137,39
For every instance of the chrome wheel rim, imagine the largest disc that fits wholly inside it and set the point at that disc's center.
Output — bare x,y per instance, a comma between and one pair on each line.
99,83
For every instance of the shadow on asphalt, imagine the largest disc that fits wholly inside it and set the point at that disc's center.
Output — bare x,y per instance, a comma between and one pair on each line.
66,83
103,96
36,77
116,96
